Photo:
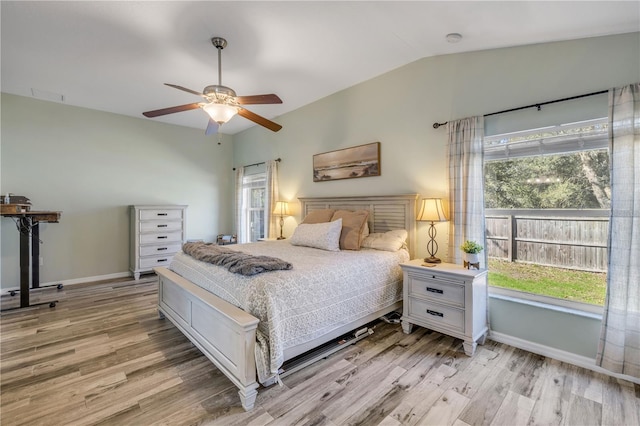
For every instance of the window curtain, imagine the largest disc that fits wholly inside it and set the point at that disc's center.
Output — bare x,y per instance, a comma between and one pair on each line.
619,347
273,195
241,238
466,186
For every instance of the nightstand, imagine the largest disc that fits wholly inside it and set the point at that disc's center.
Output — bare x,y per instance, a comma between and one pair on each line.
446,298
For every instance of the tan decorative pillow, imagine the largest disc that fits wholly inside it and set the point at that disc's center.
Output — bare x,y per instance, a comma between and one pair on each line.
352,228
319,216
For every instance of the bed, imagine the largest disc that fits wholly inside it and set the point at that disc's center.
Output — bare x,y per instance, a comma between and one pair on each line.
249,351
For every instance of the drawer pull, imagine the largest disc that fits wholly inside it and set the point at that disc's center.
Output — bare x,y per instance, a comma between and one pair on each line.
162,248
434,313
162,237
164,260
434,290
162,226
162,214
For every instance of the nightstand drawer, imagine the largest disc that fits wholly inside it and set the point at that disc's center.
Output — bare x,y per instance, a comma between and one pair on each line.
437,314
160,250
160,226
438,290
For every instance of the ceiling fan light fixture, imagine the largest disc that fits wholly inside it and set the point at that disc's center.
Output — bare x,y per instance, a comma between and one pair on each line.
220,113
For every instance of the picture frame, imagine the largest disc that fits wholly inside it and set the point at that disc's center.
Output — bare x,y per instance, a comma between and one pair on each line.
348,163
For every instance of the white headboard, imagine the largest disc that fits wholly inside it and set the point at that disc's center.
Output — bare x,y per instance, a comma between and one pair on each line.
386,212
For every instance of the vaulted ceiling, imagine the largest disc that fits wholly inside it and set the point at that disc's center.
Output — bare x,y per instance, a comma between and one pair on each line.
115,56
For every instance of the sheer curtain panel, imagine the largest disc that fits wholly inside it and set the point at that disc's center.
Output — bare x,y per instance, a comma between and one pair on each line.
619,348
466,186
273,195
240,233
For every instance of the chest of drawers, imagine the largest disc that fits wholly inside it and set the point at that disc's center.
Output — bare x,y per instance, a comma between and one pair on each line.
157,233
446,298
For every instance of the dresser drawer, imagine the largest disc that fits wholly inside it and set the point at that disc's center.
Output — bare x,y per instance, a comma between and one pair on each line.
152,262
160,226
437,314
170,214
163,237
164,249
437,289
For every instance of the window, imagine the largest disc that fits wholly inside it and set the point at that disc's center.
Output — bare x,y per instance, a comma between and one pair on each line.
547,202
253,203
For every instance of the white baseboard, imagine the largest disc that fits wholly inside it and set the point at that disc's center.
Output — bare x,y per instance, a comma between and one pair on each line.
560,355
78,280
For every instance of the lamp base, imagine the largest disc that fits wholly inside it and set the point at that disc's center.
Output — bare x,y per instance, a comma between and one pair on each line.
432,259
281,238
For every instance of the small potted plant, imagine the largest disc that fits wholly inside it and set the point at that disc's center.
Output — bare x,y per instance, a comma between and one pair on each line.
471,250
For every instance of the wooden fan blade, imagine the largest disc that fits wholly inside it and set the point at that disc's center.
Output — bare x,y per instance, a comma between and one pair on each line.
212,128
259,119
258,99
170,110
175,86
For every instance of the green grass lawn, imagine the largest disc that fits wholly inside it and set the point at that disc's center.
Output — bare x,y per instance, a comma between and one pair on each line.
579,286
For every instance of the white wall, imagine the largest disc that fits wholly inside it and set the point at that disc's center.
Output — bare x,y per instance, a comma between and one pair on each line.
399,108
91,166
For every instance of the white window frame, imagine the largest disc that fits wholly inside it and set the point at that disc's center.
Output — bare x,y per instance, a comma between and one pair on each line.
567,138
249,183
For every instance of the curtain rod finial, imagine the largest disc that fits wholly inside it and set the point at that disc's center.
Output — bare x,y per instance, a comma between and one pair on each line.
436,125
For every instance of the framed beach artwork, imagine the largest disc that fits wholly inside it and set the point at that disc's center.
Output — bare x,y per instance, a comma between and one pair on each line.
354,162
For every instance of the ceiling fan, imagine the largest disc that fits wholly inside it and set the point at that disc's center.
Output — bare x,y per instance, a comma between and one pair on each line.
221,102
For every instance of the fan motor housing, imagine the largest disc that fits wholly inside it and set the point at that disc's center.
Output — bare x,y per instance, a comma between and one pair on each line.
216,90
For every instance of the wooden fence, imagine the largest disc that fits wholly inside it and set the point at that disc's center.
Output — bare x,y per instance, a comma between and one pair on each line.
567,238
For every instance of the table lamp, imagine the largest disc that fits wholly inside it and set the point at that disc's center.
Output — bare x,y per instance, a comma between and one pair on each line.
432,211
282,209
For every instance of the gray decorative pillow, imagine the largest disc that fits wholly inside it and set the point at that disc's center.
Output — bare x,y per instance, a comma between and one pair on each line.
324,236
387,241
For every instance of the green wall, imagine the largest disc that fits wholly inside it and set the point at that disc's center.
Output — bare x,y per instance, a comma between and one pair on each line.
399,108
92,165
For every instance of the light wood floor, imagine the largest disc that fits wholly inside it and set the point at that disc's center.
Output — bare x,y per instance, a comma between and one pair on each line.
102,356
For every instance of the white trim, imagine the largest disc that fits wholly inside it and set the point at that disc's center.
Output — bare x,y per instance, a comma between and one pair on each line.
78,280
552,303
560,355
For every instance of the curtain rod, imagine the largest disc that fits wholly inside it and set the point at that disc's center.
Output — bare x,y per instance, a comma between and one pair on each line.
538,105
257,164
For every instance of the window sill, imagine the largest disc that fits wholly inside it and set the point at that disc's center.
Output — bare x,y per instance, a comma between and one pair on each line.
551,303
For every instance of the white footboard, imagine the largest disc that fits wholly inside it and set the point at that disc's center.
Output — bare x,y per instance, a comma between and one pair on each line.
223,332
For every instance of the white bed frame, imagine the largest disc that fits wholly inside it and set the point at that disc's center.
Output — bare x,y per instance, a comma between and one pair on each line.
226,334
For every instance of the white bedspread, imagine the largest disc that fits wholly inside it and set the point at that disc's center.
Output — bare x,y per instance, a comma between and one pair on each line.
323,291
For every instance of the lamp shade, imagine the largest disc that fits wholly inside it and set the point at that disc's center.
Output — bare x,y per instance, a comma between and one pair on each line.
281,208
432,210
220,113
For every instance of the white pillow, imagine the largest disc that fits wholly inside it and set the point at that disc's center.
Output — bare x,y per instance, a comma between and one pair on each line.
387,241
324,236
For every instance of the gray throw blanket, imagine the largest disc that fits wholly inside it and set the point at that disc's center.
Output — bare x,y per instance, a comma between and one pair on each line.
235,261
